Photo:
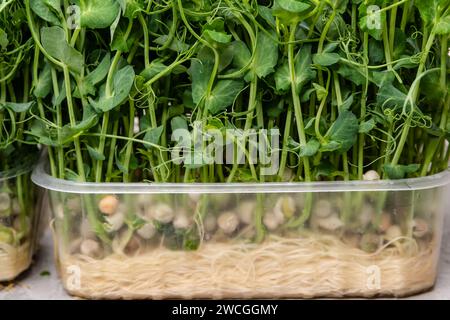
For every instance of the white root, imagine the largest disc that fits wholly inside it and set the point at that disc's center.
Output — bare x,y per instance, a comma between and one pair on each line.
371,175
108,205
307,266
228,222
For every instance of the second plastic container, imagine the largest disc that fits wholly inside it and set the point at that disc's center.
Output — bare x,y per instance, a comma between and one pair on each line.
19,221
336,239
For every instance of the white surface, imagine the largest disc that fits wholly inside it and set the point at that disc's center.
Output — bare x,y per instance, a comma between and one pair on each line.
33,285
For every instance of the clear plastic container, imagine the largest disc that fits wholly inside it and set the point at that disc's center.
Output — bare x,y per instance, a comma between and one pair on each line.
20,204
359,239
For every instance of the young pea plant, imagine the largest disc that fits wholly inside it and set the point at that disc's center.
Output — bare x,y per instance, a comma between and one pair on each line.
355,92
17,195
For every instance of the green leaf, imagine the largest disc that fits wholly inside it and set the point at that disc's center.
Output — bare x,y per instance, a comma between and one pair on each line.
367,126
100,73
179,123
131,8
242,55
430,9
431,86
87,87
216,36
340,5
155,68
55,43
266,14
326,59
347,104
326,169
303,71
95,154
18,107
294,6
390,97
382,78
55,137
175,44
311,148
289,11
343,133
266,56
443,26
353,73
98,14
372,22
43,85
153,136
395,172
123,82
200,72
321,92
3,39
223,95
48,10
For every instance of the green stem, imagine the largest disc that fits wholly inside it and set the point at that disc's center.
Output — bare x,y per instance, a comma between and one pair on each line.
415,95
79,156
297,103
284,153
129,150
361,143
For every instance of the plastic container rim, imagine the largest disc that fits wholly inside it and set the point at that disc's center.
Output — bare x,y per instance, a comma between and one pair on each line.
41,178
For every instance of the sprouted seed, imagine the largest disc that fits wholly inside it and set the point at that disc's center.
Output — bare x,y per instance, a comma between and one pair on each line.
147,231
228,222
108,205
371,175
393,233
